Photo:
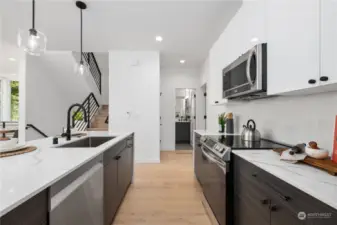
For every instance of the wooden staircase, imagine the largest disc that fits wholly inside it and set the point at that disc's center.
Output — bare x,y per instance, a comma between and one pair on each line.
98,123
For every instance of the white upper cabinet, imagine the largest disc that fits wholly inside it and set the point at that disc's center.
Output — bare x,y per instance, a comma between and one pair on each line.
293,37
328,42
246,29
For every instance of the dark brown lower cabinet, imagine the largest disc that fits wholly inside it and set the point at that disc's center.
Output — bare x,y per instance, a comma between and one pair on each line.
111,197
125,171
245,211
262,199
118,172
32,212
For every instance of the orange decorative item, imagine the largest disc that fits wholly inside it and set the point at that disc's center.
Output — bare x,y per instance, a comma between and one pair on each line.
334,153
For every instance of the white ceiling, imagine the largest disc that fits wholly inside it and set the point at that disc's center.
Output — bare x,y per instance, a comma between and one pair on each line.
189,28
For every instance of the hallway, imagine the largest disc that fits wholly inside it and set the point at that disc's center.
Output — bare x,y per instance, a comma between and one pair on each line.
165,193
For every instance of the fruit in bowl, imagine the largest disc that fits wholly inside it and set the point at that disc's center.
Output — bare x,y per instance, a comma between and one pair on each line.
312,150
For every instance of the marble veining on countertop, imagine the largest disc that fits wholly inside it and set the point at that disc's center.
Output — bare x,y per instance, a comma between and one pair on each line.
310,180
23,176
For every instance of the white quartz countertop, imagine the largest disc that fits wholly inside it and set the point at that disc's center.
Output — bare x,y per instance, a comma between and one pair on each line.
208,132
312,181
23,176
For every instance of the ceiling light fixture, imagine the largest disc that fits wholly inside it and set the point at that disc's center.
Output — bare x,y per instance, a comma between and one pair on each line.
182,61
82,67
159,38
12,59
34,42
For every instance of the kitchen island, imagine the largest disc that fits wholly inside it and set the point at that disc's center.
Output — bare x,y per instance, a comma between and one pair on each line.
30,175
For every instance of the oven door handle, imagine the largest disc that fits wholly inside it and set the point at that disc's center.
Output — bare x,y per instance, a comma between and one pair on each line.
214,160
251,52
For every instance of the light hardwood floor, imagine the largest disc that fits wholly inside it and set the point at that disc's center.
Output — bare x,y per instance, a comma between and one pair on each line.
164,194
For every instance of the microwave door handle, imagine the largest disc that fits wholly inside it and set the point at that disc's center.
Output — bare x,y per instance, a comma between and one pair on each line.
248,66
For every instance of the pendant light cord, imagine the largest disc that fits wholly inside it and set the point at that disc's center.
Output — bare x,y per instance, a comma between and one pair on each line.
33,5
81,37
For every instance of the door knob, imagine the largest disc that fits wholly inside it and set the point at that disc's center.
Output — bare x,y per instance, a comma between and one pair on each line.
312,81
273,208
264,201
324,78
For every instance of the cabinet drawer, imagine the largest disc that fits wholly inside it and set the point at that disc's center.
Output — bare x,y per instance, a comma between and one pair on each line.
113,151
289,198
32,212
246,212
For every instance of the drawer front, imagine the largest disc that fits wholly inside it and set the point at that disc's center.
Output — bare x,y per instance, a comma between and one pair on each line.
289,198
247,212
114,151
32,212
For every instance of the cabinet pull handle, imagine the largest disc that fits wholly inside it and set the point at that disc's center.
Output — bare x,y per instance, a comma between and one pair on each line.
312,81
254,174
324,78
199,145
283,197
273,208
265,201
216,102
118,157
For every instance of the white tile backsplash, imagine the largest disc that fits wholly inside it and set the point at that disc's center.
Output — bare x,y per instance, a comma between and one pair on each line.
289,119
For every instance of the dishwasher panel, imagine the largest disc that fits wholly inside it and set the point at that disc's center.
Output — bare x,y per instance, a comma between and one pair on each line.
81,202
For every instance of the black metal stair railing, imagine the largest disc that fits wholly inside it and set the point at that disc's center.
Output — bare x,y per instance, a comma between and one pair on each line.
36,129
14,125
92,106
89,57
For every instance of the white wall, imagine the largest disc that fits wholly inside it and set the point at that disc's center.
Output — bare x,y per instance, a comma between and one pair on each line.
134,95
51,86
204,75
170,80
90,82
5,107
0,33
287,119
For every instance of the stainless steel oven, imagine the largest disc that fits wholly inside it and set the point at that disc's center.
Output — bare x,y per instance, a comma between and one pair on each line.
215,184
246,77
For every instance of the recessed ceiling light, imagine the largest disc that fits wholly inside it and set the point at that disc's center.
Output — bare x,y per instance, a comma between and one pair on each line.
12,59
182,61
159,38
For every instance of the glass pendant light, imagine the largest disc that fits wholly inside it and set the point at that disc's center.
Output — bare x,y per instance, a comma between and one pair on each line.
33,42
82,67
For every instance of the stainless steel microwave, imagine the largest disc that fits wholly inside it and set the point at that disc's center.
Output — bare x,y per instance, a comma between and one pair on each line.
246,77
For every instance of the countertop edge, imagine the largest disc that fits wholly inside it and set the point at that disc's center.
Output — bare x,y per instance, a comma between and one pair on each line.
110,143
303,188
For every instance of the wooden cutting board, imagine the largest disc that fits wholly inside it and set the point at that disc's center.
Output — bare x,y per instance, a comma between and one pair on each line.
18,152
324,164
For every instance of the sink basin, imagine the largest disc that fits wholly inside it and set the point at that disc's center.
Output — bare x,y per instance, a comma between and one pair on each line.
88,142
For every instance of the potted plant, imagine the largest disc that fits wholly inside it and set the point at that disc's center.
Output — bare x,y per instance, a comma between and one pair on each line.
78,116
222,121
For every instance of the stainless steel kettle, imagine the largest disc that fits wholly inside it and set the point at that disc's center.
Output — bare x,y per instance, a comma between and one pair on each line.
249,132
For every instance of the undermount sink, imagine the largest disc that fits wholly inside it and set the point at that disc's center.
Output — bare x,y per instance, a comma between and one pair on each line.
88,142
